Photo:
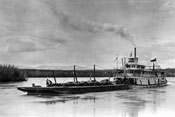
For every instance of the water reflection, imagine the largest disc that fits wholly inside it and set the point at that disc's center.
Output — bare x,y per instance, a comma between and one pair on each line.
48,100
89,98
136,101
7,86
63,99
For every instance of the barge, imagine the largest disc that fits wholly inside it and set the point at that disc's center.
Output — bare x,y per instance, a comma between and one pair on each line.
75,87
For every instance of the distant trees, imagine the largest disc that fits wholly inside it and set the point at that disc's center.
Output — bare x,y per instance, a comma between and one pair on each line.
11,73
170,72
67,73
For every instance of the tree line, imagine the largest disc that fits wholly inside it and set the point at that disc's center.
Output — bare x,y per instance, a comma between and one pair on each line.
10,73
170,72
67,73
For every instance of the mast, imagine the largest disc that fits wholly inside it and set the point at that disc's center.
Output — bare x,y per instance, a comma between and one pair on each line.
116,59
54,76
153,66
124,63
94,72
117,67
75,76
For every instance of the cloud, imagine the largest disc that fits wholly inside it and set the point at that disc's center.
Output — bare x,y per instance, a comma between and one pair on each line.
20,44
122,33
74,24
163,53
31,44
25,28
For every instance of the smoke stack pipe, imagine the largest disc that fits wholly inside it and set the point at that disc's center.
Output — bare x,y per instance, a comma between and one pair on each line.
122,63
124,66
135,52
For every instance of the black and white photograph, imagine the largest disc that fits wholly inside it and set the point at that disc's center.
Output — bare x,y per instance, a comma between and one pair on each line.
87,58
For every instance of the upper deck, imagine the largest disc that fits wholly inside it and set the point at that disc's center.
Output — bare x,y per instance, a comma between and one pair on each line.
133,68
132,62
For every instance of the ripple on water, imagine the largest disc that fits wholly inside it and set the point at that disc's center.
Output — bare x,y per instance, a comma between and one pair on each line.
89,98
156,91
7,86
55,99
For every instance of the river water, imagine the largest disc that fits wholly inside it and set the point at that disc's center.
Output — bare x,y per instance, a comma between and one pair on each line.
151,102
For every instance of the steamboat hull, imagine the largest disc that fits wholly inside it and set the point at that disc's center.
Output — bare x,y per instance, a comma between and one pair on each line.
147,86
71,90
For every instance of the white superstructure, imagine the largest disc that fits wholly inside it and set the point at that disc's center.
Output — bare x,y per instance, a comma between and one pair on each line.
138,74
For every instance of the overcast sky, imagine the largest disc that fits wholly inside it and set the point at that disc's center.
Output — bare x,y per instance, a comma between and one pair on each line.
86,32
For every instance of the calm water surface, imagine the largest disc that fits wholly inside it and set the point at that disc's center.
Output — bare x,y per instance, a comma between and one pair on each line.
159,102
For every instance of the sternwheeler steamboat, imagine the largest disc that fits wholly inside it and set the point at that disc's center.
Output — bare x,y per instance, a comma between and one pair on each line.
138,75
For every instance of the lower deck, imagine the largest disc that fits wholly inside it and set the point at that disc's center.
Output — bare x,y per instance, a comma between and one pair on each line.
141,80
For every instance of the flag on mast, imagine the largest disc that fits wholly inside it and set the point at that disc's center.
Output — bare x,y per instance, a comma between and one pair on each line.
153,60
116,59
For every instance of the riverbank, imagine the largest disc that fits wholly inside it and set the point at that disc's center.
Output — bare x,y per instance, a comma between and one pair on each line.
10,73
170,72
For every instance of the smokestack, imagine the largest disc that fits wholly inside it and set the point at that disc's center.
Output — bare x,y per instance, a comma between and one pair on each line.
122,63
135,52
124,66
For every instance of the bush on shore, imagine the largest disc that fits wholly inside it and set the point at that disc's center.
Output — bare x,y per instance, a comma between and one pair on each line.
10,73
